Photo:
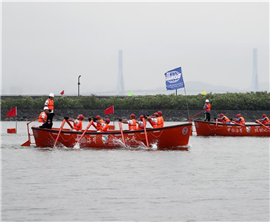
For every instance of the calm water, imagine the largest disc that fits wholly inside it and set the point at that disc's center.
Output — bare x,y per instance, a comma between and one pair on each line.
217,179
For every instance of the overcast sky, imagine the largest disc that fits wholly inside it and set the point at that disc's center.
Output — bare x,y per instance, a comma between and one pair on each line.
46,46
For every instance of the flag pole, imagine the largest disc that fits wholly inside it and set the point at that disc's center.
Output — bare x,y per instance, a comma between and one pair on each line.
186,102
176,92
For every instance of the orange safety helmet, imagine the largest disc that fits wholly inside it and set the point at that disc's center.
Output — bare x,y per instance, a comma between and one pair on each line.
133,116
98,117
155,114
221,114
81,116
263,115
238,115
107,120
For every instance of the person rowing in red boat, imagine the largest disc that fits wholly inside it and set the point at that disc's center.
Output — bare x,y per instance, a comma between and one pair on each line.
99,122
160,118
103,125
140,123
77,123
154,120
224,119
265,120
240,119
132,125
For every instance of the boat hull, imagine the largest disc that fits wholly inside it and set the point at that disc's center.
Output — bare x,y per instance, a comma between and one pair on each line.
212,129
165,137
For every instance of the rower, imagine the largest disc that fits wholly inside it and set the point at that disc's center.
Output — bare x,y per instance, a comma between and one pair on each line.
43,118
265,120
131,122
224,119
77,122
160,118
103,125
240,120
140,123
154,120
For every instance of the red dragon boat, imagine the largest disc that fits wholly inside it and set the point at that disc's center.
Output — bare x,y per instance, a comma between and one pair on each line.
164,137
204,128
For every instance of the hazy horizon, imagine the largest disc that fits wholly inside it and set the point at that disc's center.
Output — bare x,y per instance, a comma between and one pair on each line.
46,46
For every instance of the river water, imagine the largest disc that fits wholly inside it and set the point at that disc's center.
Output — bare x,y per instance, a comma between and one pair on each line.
216,179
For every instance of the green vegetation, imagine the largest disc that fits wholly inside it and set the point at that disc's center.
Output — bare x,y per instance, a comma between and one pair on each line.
226,101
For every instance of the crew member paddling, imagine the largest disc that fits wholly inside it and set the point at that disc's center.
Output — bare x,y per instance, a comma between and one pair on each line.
131,122
207,108
240,120
224,119
104,125
77,123
154,120
140,123
99,122
265,120
43,117
160,118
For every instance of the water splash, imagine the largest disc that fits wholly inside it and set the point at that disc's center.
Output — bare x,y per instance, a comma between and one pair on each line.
77,146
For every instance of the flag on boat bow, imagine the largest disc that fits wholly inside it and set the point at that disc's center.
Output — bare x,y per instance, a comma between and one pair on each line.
12,112
174,79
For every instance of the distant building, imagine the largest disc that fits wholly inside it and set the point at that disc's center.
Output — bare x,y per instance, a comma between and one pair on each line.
120,80
254,83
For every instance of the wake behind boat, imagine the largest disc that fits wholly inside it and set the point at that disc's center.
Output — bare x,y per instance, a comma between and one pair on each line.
164,137
204,128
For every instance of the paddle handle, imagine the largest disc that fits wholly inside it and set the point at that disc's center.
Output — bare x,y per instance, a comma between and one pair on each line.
146,136
257,121
122,134
190,119
63,123
88,126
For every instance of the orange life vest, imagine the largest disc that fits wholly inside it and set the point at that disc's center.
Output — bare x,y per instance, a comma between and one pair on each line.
155,124
265,120
99,125
161,121
140,125
104,127
132,126
225,119
208,107
77,126
50,104
42,120
241,121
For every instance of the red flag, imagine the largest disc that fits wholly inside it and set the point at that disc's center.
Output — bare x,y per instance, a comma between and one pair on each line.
12,112
62,93
109,110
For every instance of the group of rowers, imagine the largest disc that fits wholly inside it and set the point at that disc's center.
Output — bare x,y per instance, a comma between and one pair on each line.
156,120
239,120
102,125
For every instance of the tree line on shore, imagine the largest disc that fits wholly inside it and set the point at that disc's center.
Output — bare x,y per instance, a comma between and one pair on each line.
225,101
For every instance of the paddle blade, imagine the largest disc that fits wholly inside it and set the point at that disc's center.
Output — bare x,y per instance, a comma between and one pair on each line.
76,146
27,143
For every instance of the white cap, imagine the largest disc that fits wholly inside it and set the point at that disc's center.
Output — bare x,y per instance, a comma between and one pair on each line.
207,101
51,95
46,107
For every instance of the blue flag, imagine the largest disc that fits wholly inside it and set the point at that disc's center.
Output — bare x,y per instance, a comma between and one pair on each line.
174,79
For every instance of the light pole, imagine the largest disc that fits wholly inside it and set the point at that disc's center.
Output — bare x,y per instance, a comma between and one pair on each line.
79,84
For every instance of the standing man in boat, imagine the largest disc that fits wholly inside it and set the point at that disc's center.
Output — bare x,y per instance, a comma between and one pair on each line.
224,119
240,120
77,122
43,118
207,108
160,118
265,120
50,104
131,123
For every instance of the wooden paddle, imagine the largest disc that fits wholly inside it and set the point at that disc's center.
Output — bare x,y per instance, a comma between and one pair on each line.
237,123
257,121
190,119
146,137
121,129
63,123
88,126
